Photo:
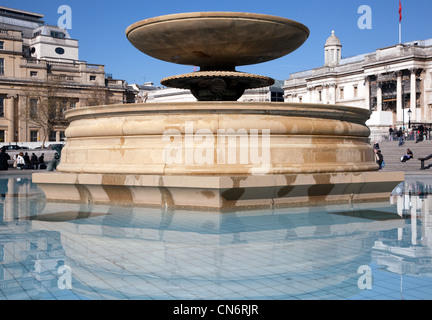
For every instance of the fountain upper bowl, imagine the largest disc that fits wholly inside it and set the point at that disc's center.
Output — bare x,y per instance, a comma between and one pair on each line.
217,40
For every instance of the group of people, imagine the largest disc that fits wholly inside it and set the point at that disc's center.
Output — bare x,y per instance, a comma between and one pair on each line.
379,158
418,134
22,161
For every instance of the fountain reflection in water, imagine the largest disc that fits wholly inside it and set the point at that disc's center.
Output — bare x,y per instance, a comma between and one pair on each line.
117,252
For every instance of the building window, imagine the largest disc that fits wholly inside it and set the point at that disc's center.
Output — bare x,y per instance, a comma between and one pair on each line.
59,50
1,65
59,35
92,78
320,95
277,96
33,136
300,99
355,92
1,45
33,108
63,109
1,107
2,135
33,74
52,136
341,93
73,104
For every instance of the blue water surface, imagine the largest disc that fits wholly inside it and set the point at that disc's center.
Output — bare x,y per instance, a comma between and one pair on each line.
64,251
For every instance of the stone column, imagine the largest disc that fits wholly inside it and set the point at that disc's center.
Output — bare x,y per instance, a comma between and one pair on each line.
10,116
314,95
379,98
399,106
423,114
413,95
324,94
309,94
332,93
367,93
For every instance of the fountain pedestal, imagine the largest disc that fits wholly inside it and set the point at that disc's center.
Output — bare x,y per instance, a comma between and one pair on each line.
218,193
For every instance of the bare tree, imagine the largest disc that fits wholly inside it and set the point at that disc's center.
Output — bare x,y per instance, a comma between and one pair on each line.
101,96
45,107
47,103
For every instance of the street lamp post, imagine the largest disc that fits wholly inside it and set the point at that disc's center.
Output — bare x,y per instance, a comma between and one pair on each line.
409,118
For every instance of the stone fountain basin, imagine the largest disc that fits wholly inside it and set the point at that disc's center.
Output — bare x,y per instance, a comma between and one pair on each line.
132,138
315,154
217,39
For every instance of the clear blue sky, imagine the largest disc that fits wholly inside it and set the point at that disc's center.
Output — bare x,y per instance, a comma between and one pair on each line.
100,28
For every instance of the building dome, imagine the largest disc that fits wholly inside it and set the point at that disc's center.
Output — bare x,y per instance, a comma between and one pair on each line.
332,51
333,40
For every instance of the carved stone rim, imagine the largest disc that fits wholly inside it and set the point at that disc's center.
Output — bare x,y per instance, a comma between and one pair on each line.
154,37
216,14
343,113
248,79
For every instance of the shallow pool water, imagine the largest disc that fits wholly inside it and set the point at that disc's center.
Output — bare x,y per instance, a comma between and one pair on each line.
354,251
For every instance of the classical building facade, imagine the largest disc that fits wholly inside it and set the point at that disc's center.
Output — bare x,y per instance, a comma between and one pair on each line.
40,67
395,83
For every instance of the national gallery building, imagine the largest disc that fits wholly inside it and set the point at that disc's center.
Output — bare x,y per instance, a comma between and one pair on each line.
395,83
41,76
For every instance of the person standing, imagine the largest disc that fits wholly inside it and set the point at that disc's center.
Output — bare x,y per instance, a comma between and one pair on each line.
4,157
26,158
420,133
400,135
41,161
34,161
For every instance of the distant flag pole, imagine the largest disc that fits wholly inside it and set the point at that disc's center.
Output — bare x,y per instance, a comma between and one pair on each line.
400,22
